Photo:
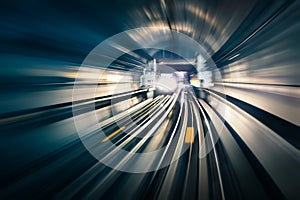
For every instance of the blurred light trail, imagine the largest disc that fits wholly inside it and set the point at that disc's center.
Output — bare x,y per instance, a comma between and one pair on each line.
113,134
189,135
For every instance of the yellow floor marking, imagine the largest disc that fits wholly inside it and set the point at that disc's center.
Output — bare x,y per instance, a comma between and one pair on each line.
189,135
113,134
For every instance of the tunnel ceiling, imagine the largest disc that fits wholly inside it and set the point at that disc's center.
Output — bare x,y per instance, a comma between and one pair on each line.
232,32
218,26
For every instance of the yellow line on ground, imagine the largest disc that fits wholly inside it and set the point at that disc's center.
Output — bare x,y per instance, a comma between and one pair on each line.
189,135
113,134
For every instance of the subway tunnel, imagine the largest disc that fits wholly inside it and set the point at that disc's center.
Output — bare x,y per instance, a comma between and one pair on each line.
161,99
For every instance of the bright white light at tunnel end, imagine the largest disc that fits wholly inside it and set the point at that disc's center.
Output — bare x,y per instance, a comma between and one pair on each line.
98,61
